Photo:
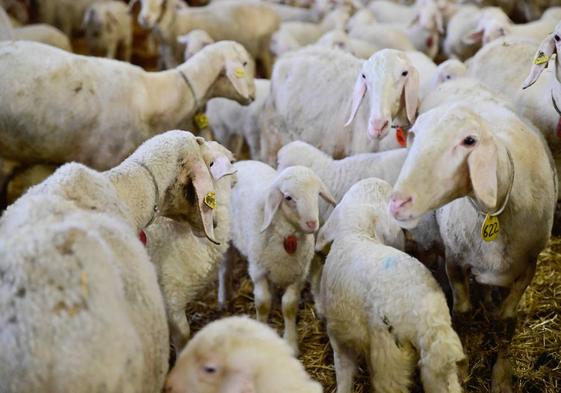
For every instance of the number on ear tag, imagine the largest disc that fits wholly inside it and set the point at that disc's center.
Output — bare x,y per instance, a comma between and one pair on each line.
490,228
541,58
239,72
201,121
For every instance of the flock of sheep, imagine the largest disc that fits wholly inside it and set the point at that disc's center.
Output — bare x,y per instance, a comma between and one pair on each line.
370,165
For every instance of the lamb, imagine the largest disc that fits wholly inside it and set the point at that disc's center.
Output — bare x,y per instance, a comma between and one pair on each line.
67,15
222,21
449,70
115,105
45,34
185,263
194,41
238,354
231,122
390,79
459,26
382,36
367,314
275,233
337,39
108,26
496,159
80,307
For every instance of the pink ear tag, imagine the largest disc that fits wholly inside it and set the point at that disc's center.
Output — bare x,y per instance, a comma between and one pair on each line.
290,244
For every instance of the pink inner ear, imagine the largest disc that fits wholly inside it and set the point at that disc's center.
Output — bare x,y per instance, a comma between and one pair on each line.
358,94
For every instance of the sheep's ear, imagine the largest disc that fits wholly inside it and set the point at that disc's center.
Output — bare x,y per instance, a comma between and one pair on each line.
88,17
272,203
439,22
221,166
473,37
205,197
237,75
540,61
325,194
327,232
482,164
183,39
237,382
358,94
411,94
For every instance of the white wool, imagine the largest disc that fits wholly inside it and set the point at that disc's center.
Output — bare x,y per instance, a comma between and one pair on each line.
43,33
194,41
67,15
337,39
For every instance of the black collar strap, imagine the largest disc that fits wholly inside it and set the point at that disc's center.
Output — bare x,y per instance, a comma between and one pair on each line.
156,209
184,77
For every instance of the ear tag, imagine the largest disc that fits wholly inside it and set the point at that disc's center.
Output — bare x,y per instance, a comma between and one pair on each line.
239,72
541,58
490,228
400,136
210,200
142,237
290,244
201,120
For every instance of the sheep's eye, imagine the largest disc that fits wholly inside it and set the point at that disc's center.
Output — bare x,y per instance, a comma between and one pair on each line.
288,197
469,141
363,76
244,63
404,73
232,162
448,77
211,164
209,369
502,31
556,37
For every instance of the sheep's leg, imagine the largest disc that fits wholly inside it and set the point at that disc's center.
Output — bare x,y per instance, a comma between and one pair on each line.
111,50
460,289
127,50
345,365
262,295
179,329
316,269
236,143
391,366
290,301
510,303
225,291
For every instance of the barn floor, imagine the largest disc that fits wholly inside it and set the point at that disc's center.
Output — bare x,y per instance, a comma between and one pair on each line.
535,352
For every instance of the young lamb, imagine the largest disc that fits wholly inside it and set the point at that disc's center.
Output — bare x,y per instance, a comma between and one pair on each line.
80,309
239,355
338,39
390,81
43,33
67,15
449,70
492,222
222,21
228,120
108,26
186,264
368,315
274,216
194,41
115,105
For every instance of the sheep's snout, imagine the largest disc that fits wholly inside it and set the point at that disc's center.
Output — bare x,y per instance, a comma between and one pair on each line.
312,225
378,128
398,204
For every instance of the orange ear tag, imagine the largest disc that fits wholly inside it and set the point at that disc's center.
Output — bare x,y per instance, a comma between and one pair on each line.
290,244
400,136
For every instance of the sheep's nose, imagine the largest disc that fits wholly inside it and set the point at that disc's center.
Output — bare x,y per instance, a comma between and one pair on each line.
378,128
397,203
312,224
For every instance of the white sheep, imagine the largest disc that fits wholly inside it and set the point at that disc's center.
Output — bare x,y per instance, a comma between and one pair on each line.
449,70
67,15
461,23
222,21
382,35
274,216
194,41
43,33
309,87
115,105
187,264
495,159
80,307
337,39
231,122
239,354
368,315
108,27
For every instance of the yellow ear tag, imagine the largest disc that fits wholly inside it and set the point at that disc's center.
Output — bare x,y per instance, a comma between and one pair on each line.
541,58
490,228
239,72
210,200
201,120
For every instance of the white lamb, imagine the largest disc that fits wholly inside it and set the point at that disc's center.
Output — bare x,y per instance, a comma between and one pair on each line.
80,307
43,33
194,41
115,106
496,161
274,216
226,20
367,315
187,264
463,22
449,70
108,27
301,108
67,15
338,39
239,355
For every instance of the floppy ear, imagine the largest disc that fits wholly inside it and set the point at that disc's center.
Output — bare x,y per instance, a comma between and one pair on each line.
221,166
272,203
327,232
325,194
540,61
411,94
473,37
358,94
237,75
482,164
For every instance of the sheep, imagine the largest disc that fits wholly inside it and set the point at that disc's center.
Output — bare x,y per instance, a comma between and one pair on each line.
80,307
491,221
108,26
368,315
360,18
21,179
228,120
194,41
45,34
390,79
115,105
185,263
337,39
67,15
383,36
459,26
18,9
238,354
222,21
275,233
448,70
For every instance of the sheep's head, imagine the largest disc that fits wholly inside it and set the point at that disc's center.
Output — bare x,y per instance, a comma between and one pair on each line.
392,84
428,26
295,193
194,41
218,159
449,70
151,11
494,23
363,210
550,45
451,153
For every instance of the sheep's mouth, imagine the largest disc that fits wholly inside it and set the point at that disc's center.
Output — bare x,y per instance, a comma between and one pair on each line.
408,222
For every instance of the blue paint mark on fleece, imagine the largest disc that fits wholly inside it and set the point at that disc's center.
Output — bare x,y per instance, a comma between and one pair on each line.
389,262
